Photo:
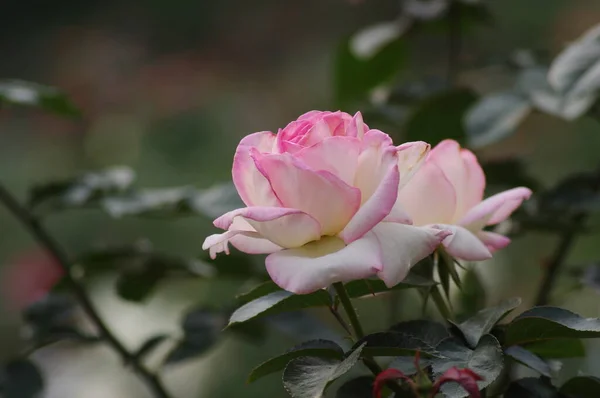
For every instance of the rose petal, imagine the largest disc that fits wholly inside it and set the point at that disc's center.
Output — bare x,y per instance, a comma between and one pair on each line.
402,246
447,155
337,155
463,244
475,184
376,208
429,197
411,156
321,263
250,243
376,156
357,127
282,226
493,241
319,193
252,186
495,209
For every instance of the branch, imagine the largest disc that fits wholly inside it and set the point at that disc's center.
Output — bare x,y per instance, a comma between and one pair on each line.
560,254
44,239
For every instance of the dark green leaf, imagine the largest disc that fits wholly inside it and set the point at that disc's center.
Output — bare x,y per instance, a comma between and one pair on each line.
17,92
557,348
531,387
20,378
472,295
201,329
582,387
430,332
440,117
482,323
360,387
149,345
301,325
308,377
365,287
84,190
355,77
314,348
578,192
529,359
257,292
494,117
391,344
279,301
136,283
486,360
547,323
576,69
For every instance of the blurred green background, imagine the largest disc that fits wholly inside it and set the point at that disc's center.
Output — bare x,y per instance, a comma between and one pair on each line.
169,87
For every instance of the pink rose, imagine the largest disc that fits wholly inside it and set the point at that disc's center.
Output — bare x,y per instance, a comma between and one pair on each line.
447,192
29,277
322,199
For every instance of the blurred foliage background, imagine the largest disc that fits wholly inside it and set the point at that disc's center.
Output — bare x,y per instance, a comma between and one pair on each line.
169,87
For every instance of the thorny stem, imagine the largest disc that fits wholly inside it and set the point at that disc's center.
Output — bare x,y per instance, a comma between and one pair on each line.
32,224
359,332
558,258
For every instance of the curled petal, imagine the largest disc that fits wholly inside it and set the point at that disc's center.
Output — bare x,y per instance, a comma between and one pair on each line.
465,377
495,209
493,241
282,226
319,193
389,375
411,156
252,186
402,246
464,245
319,264
357,127
376,208
376,157
429,197
250,243
218,243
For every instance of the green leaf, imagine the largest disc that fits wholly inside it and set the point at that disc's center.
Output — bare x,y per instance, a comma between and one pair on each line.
355,77
430,332
360,387
529,359
557,348
577,69
257,292
482,323
391,344
137,283
86,189
22,93
308,377
473,295
486,360
201,329
582,387
531,387
279,301
314,348
494,117
547,323
178,201
365,287
21,378
440,117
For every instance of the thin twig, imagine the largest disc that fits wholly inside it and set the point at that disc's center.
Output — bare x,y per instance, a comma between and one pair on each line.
39,233
340,320
558,258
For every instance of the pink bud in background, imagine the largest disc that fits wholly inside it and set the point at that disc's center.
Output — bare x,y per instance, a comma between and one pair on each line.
447,192
322,199
29,277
